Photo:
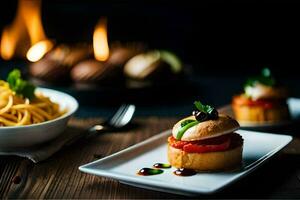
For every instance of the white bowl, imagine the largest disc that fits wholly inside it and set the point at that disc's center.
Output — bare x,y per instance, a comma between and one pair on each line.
29,135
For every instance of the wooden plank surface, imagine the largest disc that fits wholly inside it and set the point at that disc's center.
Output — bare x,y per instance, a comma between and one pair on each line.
59,177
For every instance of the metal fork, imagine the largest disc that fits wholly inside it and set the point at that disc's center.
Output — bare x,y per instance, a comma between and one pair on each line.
119,120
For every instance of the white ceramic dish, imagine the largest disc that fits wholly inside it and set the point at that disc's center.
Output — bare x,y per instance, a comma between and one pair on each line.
294,107
29,135
124,165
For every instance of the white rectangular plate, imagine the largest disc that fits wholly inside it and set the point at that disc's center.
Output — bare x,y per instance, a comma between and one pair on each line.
124,165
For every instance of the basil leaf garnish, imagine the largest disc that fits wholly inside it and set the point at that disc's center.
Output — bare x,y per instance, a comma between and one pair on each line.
184,128
19,85
185,122
264,78
203,108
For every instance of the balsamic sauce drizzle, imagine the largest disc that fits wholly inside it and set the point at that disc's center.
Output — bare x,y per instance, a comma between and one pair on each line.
149,171
184,172
158,170
162,166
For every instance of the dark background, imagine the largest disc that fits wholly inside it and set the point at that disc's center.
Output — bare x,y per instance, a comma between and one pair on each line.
223,42
232,37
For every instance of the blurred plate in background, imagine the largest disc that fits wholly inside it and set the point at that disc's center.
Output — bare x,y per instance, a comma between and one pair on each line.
294,107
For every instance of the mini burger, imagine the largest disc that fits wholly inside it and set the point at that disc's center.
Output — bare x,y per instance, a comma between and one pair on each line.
263,100
205,141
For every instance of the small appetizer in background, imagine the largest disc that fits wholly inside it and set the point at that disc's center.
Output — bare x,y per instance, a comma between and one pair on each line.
205,141
156,66
263,100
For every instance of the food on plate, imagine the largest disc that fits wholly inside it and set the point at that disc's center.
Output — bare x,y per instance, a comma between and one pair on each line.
56,65
205,141
21,105
121,53
91,71
48,70
263,100
152,65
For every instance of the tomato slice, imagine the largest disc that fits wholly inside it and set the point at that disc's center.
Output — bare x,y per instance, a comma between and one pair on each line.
265,103
220,143
178,144
195,148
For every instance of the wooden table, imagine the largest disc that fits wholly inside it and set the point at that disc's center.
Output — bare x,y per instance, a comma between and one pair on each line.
59,177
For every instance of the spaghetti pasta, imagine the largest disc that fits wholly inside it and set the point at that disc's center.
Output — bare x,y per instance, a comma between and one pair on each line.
16,110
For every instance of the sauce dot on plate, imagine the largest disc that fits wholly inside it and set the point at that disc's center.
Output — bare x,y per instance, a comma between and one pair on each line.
149,171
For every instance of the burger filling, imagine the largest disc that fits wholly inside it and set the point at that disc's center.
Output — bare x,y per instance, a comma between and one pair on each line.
220,143
264,103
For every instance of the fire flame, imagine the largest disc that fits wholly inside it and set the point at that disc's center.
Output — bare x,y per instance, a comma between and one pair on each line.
25,31
31,12
8,44
100,41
